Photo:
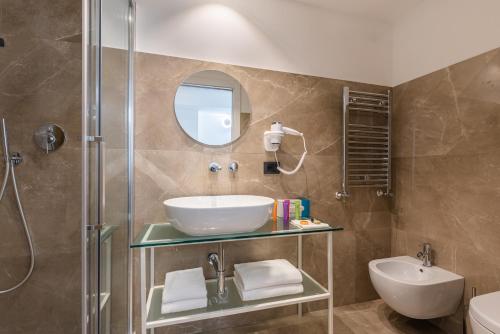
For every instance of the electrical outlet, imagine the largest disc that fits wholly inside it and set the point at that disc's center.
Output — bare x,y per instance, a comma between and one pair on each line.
271,167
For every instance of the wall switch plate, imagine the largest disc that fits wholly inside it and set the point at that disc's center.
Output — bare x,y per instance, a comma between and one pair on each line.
271,167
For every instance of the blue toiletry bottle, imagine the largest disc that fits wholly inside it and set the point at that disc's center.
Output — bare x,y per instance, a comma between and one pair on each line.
306,204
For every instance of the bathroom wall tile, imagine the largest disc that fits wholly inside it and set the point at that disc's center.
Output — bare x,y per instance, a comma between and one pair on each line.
46,298
40,81
438,113
45,19
485,85
370,244
446,170
170,164
481,270
465,73
344,268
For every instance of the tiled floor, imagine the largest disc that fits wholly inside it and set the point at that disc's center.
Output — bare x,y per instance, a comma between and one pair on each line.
377,317
373,317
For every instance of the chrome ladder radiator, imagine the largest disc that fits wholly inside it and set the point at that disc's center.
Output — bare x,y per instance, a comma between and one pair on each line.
366,135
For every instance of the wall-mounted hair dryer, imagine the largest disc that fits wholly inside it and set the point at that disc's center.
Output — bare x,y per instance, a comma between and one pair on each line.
272,142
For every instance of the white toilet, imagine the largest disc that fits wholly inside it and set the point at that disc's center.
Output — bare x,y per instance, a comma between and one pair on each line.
484,313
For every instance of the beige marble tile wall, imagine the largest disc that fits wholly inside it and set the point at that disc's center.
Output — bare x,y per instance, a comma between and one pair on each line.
446,165
40,81
169,164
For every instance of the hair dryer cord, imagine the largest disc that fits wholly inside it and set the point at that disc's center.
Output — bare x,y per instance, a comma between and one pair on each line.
301,161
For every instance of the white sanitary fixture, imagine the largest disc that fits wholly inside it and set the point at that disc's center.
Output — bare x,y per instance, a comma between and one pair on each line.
209,215
416,291
484,313
272,143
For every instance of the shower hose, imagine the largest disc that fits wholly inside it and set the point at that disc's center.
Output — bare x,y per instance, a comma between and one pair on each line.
9,169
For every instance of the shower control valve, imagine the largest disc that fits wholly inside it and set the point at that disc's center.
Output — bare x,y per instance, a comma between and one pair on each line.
49,137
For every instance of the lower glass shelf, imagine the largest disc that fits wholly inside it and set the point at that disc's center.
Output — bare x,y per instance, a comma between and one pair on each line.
231,305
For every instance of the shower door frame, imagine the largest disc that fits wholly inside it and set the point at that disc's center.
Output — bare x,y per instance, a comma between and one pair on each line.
92,223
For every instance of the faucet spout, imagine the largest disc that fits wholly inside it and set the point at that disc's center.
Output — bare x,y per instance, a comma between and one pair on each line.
216,260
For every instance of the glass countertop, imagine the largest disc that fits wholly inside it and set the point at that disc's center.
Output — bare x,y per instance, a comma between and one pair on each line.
164,234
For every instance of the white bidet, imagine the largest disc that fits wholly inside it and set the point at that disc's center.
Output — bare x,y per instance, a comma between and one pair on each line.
416,291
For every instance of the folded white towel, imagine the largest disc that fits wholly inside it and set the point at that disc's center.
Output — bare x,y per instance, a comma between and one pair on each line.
184,285
269,292
263,274
184,305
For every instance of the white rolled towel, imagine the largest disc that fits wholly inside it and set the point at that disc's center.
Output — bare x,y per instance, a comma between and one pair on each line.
184,290
264,274
269,292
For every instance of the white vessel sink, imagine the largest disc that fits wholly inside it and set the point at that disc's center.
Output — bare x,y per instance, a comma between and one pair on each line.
416,291
209,215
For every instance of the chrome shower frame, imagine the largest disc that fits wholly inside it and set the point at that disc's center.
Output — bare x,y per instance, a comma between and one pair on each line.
91,69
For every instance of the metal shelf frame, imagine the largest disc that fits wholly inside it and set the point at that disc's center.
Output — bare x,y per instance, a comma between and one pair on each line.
149,291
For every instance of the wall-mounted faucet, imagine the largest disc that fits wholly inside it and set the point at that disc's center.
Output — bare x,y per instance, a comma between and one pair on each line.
214,167
426,255
233,167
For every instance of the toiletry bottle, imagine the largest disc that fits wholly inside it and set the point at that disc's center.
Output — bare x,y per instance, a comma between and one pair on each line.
286,211
275,211
306,204
279,211
297,209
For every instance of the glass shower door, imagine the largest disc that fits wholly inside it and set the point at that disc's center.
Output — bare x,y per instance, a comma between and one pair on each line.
108,166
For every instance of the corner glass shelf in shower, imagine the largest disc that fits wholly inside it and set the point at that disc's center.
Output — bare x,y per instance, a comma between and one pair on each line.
164,234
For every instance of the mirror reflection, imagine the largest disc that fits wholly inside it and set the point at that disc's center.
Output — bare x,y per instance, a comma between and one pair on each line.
212,108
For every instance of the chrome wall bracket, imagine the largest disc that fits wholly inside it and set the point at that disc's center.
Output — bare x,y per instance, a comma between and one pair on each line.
95,139
95,227
340,195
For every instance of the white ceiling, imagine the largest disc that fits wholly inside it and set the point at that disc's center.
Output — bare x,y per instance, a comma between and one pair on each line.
381,10
374,41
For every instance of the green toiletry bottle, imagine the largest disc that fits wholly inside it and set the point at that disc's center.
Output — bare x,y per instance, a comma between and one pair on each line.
297,209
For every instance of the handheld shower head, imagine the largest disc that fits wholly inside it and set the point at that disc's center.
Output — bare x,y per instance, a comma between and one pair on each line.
5,142
9,168
6,158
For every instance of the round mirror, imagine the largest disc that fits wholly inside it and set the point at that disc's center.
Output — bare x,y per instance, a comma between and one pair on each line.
212,108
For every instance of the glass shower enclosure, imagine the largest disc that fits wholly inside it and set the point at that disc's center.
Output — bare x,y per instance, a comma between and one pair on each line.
108,29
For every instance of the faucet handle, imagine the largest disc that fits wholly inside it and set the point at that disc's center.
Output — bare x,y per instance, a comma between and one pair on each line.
214,167
233,167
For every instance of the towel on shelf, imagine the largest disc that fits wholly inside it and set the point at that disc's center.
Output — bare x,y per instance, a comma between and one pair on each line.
264,274
184,305
184,284
269,292
184,290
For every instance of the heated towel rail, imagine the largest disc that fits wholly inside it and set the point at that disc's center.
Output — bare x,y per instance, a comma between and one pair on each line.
366,142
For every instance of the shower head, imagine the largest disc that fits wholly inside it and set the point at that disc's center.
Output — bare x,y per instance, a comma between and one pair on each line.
5,141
